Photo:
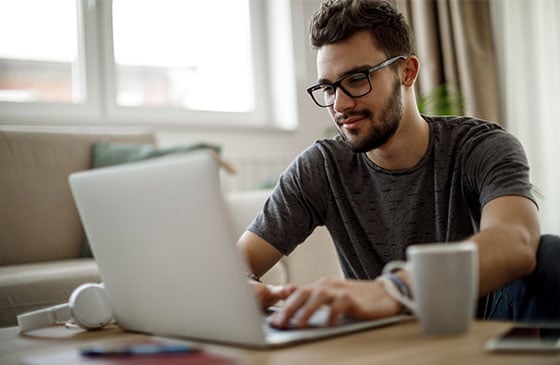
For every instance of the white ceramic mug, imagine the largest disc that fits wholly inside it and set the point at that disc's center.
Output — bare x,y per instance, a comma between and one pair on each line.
444,285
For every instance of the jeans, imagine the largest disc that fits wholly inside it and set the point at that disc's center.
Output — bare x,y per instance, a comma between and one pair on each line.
534,298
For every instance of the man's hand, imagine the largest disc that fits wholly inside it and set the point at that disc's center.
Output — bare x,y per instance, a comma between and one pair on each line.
360,299
268,295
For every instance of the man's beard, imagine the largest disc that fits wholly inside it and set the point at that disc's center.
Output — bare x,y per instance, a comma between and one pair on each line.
376,135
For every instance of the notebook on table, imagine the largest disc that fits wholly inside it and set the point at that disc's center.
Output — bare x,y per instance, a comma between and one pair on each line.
163,238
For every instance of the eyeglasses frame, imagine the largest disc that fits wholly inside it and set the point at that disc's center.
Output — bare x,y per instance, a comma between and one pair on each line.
338,83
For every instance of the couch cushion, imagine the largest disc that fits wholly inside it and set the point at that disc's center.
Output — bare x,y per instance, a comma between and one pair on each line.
24,288
38,219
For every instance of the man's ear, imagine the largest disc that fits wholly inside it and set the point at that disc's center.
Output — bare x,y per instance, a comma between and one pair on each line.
411,69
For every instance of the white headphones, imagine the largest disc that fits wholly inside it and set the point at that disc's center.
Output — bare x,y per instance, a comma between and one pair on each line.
88,307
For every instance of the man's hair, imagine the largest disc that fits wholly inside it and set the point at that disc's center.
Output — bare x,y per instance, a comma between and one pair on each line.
338,20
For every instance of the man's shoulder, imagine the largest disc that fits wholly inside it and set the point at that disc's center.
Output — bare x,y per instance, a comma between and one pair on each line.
460,122
325,148
336,143
459,129
325,157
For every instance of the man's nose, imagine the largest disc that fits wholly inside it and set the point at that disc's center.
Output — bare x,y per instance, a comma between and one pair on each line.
342,101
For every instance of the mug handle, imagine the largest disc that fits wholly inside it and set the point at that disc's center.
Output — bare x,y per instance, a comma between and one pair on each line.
392,289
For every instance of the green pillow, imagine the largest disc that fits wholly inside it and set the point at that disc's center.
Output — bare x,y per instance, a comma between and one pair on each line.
108,154
115,153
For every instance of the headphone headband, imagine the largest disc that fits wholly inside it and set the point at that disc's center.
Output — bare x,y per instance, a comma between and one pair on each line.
88,307
44,317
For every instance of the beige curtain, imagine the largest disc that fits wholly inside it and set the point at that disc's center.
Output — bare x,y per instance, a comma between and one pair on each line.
455,46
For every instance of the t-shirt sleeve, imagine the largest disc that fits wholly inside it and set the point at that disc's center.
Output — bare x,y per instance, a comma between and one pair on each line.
292,211
496,165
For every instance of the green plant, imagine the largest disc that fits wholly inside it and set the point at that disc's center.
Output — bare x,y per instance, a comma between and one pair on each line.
445,99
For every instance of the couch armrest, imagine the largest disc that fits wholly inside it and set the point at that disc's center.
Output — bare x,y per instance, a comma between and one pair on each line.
29,287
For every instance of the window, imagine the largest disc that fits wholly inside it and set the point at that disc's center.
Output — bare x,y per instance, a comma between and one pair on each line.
197,60
39,52
170,61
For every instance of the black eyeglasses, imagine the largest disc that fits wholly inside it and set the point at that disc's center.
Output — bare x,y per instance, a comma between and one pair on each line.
354,85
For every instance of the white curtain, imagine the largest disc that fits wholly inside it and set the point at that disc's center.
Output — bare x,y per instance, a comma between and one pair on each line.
528,45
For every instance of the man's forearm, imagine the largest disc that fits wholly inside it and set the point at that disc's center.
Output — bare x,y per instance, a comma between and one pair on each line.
507,241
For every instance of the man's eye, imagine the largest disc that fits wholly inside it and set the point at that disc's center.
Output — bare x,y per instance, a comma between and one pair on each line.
327,89
356,79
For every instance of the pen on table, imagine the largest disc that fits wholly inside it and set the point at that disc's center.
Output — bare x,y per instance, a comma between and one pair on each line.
137,350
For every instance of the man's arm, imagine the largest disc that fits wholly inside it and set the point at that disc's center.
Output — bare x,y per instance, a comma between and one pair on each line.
507,242
259,254
260,257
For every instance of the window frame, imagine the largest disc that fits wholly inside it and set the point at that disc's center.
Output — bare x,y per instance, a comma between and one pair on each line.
87,111
97,73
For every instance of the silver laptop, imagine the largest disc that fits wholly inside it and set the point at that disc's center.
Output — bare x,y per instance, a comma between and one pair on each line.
163,238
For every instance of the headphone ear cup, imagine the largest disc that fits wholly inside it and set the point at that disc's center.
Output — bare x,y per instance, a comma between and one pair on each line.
90,306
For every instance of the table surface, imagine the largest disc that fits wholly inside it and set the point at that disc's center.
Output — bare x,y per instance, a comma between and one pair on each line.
402,343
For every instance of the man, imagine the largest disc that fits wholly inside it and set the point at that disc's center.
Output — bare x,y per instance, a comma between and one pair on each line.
391,178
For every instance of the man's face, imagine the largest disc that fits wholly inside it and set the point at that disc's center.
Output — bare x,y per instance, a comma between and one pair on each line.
369,121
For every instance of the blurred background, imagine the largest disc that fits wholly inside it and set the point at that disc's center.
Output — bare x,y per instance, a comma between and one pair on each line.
233,73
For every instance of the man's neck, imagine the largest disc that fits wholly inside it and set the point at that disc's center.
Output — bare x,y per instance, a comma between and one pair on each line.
406,148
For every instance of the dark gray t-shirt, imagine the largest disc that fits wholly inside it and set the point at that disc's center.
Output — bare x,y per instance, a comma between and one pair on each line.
373,214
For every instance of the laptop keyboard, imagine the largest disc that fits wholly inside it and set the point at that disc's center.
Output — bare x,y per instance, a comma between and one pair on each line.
318,320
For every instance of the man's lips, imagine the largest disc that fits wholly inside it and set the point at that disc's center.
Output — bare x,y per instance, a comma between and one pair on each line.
352,122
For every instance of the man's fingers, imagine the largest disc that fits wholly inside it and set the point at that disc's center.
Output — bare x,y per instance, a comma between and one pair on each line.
295,301
302,305
268,295
281,292
365,300
341,304
314,302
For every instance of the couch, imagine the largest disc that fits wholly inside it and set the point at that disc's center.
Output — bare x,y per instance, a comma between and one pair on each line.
41,236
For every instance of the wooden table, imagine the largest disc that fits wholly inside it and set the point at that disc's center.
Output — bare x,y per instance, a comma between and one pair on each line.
402,343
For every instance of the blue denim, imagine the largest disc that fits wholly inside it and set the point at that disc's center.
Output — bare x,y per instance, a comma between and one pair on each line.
535,298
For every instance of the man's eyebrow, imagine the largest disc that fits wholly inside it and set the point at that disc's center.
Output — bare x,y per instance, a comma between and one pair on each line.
346,73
